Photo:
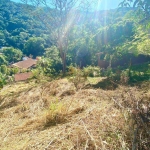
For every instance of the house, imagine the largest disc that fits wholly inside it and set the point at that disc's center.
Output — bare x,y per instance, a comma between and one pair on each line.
22,76
27,63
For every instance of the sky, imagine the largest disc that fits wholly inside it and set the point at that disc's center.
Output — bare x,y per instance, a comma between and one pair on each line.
103,5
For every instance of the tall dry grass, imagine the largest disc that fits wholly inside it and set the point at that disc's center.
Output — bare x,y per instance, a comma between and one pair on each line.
56,116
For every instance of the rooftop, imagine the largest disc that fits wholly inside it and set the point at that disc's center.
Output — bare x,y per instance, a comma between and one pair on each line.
22,76
25,64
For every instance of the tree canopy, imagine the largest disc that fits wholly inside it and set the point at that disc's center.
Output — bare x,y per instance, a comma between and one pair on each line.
65,34
143,5
34,46
12,54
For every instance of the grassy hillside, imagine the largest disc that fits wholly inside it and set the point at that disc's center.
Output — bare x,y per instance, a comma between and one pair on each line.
55,115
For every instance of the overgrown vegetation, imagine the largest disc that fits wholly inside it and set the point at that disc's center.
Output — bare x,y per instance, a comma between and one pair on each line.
90,87
34,35
57,115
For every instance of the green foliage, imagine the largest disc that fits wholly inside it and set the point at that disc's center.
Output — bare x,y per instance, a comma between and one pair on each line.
143,5
17,25
39,75
74,41
77,76
3,69
74,71
44,65
52,56
80,76
2,80
2,60
127,75
113,37
140,72
91,71
144,47
34,46
12,54
140,42
36,73
47,67
82,47
55,114
2,37
12,71
108,72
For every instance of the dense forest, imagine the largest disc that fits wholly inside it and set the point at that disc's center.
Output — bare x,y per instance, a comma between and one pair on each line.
71,38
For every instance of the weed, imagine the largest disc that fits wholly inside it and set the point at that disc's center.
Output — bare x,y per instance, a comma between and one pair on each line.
56,114
78,77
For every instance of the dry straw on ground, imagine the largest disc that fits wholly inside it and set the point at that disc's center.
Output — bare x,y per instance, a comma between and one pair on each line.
55,116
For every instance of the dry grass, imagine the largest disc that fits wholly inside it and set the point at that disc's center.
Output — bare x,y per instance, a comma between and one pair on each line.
56,116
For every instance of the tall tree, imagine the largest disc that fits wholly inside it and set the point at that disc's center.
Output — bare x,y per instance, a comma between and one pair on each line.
59,16
144,5
140,42
34,46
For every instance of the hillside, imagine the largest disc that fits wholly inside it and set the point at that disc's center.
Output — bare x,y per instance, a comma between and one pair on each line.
55,115
90,88
17,25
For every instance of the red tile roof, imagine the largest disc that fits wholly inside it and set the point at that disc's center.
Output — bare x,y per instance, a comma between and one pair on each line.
23,76
25,64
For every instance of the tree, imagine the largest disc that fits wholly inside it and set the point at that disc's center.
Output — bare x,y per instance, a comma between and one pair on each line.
2,38
144,5
60,16
12,54
139,44
3,69
2,60
34,46
83,48
52,54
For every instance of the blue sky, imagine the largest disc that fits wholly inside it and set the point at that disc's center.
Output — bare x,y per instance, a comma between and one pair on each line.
104,4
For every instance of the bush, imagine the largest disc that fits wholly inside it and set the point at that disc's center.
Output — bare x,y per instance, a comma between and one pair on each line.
37,74
78,77
3,69
45,65
73,71
125,76
108,72
91,71
2,80
56,114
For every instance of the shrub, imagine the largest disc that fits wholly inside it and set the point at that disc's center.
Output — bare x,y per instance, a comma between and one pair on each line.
56,114
3,69
12,71
91,71
36,73
2,80
125,76
78,76
108,72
